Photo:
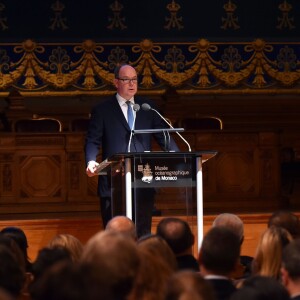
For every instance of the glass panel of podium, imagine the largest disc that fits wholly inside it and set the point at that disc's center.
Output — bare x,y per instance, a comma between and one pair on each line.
149,186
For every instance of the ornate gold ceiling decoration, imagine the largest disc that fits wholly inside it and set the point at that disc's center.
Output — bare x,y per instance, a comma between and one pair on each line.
202,66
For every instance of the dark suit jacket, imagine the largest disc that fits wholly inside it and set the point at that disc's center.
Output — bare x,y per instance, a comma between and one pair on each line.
187,262
223,288
109,129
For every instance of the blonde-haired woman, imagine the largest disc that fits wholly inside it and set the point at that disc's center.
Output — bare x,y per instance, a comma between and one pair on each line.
267,260
69,242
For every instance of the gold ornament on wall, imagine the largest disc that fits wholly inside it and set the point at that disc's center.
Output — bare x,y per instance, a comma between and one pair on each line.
116,22
201,66
3,20
173,21
230,21
285,21
58,22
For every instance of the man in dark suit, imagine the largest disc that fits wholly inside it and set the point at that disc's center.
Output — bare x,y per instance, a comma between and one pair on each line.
218,257
236,225
178,235
109,129
290,270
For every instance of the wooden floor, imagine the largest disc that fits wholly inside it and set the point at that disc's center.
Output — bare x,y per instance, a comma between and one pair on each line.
39,232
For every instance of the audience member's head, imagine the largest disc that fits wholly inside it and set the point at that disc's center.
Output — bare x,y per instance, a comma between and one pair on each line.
267,260
12,276
261,288
122,224
287,220
69,242
14,248
236,225
18,235
114,260
290,270
158,247
158,263
220,252
47,258
68,282
177,233
232,222
189,285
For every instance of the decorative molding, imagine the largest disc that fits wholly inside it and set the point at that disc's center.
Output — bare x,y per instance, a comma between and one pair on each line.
202,67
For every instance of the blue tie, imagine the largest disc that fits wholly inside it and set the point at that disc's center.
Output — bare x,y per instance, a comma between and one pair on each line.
129,114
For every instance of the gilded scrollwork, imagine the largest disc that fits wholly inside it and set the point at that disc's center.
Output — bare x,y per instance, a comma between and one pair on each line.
5,79
202,65
146,64
28,64
116,57
89,66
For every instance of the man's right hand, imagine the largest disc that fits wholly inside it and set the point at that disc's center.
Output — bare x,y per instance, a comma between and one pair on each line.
91,169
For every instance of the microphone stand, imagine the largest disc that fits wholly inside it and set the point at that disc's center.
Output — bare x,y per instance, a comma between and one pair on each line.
146,106
136,108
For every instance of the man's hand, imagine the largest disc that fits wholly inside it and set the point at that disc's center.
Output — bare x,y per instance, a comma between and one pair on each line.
92,168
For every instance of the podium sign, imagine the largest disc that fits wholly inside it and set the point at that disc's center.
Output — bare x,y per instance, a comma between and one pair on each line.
175,177
161,171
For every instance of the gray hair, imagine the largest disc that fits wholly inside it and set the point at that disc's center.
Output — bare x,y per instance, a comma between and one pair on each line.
232,222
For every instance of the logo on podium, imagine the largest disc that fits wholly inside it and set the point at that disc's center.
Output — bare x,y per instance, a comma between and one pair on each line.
147,173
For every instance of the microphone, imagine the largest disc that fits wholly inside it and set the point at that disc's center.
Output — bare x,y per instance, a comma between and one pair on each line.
146,107
136,107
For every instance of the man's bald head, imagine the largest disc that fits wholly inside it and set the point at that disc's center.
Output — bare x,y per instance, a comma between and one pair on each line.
122,224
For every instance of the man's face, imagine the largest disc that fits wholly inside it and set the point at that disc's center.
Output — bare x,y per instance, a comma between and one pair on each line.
126,89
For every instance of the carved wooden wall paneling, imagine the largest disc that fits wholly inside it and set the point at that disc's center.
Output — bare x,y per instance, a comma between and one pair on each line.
46,174
40,164
245,171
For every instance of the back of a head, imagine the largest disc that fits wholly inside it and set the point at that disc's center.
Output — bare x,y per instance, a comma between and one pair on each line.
12,276
48,257
291,259
115,260
189,285
122,225
177,233
14,248
158,247
69,242
232,222
267,260
18,235
220,251
68,282
287,220
158,263
261,288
